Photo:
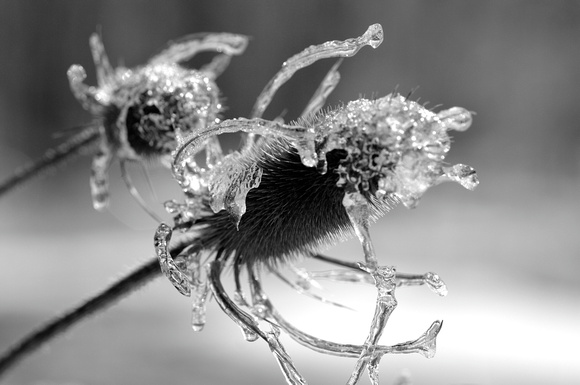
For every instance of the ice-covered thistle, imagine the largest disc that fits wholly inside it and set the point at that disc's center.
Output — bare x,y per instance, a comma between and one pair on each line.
294,188
140,113
308,183
143,111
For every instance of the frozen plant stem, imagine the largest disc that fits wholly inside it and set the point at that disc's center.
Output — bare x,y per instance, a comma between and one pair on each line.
373,37
139,114
356,274
363,157
249,325
264,309
76,146
384,277
122,288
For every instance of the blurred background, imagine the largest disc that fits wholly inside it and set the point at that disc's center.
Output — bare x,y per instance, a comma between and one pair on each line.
509,251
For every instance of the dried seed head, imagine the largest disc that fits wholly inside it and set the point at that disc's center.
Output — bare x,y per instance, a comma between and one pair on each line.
155,101
396,147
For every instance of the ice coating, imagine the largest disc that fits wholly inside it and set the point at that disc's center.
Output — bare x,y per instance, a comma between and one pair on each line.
304,285
99,180
185,48
426,344
325,88
386,282
86,95
456,118
251,327
186,273
462,174
229,184
395,150
168,266
372,37
293,377
191,264
396,147
436,284
154,98
228,176
141,112
263,309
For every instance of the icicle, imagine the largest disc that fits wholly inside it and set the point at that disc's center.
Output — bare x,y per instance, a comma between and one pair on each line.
168,266
230,182
190,264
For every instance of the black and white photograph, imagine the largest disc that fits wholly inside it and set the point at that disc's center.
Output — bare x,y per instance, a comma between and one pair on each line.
289,192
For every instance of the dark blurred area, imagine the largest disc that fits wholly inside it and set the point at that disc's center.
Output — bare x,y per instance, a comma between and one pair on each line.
509,251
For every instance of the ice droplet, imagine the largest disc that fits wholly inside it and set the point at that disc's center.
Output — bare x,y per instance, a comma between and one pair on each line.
85,94
307,153
427,343
374,34
249,335
198,313
462,174
76,74
436,284
456,118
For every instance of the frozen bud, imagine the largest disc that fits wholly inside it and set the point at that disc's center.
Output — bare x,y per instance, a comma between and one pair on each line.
456,118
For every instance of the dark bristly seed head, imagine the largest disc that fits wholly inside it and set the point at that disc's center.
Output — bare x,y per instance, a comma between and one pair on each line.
147,131
294,210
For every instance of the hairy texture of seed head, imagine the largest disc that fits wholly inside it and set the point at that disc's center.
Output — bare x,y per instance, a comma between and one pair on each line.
266,203
294,210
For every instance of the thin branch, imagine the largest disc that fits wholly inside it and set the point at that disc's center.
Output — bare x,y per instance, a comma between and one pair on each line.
100,302
52,159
